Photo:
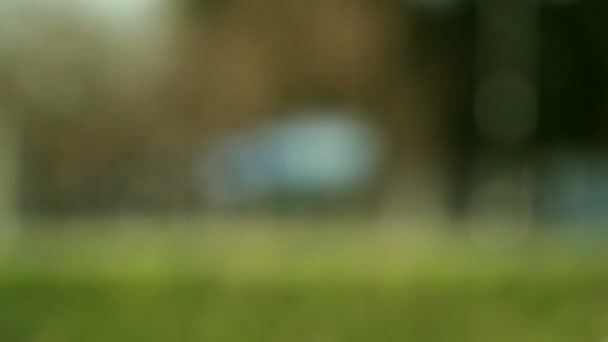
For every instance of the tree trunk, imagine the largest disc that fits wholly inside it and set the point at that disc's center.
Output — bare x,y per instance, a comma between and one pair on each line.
506,107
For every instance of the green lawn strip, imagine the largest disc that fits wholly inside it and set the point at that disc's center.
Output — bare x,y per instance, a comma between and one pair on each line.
316,286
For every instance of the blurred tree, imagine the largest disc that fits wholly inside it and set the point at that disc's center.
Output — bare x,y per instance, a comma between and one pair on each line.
82,83
10,137
9,179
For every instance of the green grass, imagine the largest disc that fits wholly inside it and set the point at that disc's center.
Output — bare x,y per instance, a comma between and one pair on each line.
298,281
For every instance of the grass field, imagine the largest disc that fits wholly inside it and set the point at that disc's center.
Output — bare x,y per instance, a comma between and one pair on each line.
137,280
